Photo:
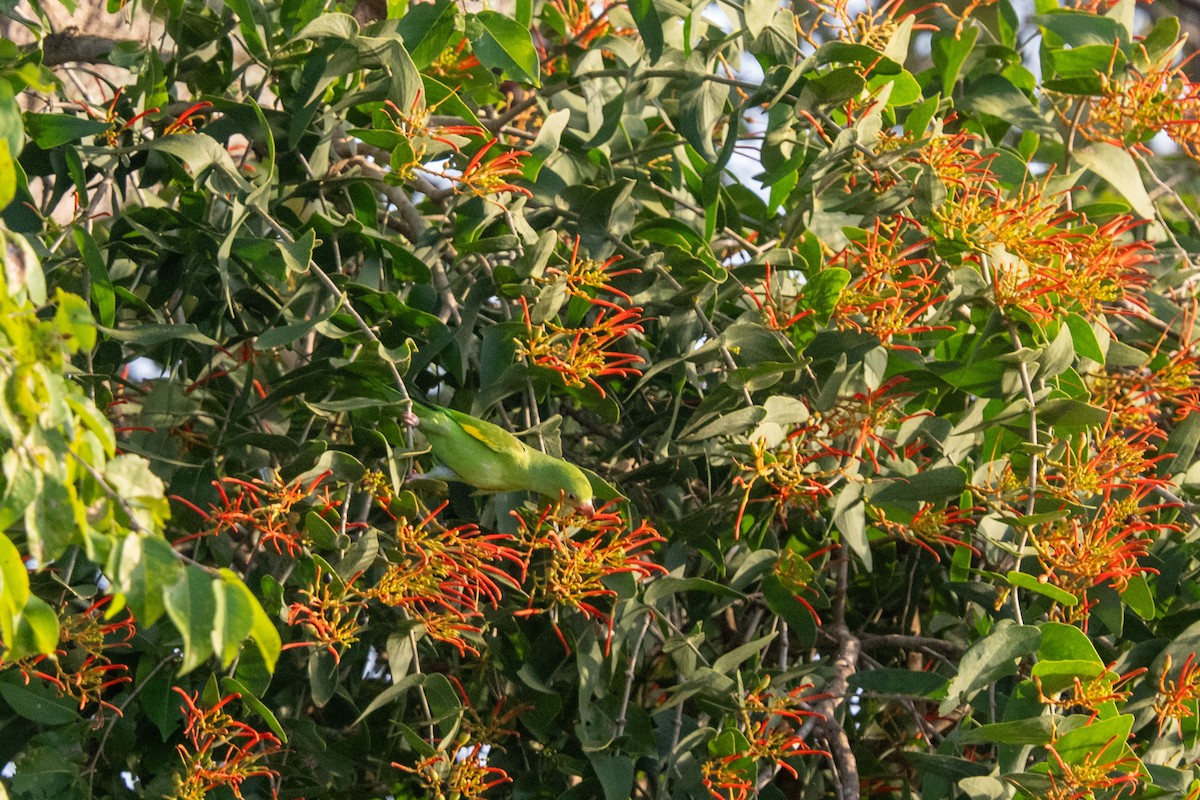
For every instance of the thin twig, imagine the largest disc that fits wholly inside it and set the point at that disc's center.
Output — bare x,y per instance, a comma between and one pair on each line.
631,673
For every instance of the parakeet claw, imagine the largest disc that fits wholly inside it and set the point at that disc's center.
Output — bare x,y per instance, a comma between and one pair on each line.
410,419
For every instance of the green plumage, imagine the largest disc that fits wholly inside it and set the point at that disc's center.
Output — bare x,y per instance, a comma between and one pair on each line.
490,458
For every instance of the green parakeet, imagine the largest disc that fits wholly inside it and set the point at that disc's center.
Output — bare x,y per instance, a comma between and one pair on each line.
490,458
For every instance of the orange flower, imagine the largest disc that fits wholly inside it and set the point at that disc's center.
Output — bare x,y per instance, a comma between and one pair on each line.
1078,553
1080,781
582,354
570,555
1094,693
80,667
891,288
1178,699
265,510
928,526
586,277
778,311
221,751
768,733
481,178
329,614
1134,107
443,576
462,775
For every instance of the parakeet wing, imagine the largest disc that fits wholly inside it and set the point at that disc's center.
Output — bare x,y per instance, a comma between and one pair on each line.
493,436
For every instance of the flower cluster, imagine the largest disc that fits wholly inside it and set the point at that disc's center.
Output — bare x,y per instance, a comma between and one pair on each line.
1132,108
766,733
444,576
460,775
1042,259
267,510
1078,553
583,352
1080,780
873,26
221,751
781,306
570,555
329,613
892,288
816,453
80,667
928,526
1093,694
420,136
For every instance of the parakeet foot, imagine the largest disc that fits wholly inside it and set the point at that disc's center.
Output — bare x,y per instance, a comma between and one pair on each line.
410,419
437,473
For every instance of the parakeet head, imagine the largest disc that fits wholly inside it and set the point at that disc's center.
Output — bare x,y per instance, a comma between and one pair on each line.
572,485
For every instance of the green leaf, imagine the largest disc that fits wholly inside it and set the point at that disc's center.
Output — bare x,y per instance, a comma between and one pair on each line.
152,334
37,702
1061,642
502,43
8,175
703,106
645,16
192,607
903,682
662,588
200,152
992,657
36,630
49,131
234,686
54,521
949,55
145,566
996,96
12,127
298,254
1138,597
1101,742
615,773
1084,338
940,483
1023,580
232,618
784,603
733,658
1032,731
1079,28
1069,413
323,676
426,30
1118,169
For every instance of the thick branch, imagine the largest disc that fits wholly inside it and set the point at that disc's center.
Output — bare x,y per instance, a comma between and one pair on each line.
845,664
72,45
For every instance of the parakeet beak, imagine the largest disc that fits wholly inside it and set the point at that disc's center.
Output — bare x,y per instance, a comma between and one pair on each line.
587,509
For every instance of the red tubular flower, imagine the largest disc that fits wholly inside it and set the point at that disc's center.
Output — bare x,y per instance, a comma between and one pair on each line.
570,555
220,751
769,726
1178,699
266,510
328,614
482,178
583,354
80,667
445,576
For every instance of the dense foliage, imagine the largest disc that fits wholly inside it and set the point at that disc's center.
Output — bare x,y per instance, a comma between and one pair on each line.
895,438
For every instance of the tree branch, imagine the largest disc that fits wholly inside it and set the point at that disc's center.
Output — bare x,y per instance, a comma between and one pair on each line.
72,45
